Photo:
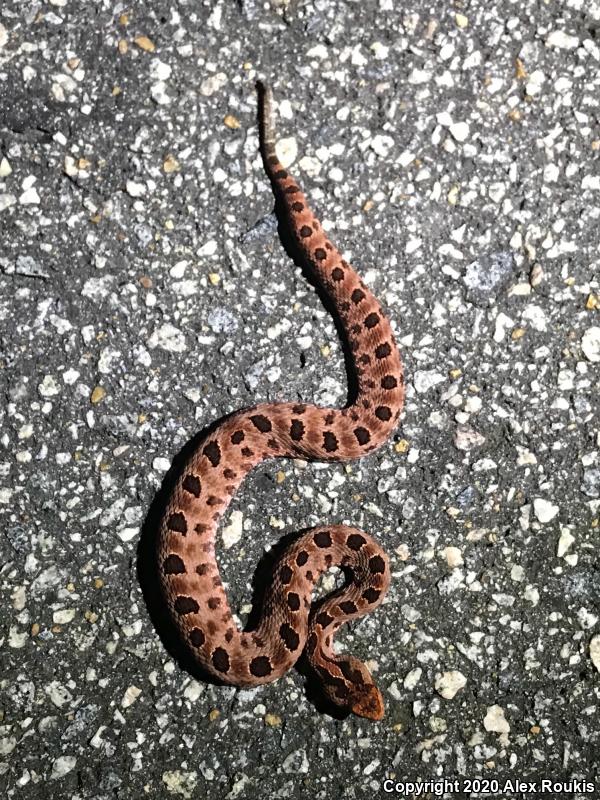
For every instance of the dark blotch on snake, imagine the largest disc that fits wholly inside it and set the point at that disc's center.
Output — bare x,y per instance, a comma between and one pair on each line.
220,660
323,619
355,541
376,564
260,666
362,435
186,605
213,452
177,523
322,539
289,636
285,574
191,484
293,601
173,565
371,595
348,671
383,413
330,442
261,423
197,637
383,350
297,430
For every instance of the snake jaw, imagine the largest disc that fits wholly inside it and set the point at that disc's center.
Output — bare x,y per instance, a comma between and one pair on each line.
368,702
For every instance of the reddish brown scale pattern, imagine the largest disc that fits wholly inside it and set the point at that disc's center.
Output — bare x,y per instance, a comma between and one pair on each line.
187,565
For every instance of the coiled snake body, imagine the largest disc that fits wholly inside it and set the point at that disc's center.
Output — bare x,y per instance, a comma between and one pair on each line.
187,566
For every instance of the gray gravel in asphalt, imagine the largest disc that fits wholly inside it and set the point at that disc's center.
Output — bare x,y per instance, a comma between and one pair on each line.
452,152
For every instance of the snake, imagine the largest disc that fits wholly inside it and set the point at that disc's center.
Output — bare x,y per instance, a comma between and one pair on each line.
290,624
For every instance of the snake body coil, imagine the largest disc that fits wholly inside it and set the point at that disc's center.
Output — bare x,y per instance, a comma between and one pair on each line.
187,565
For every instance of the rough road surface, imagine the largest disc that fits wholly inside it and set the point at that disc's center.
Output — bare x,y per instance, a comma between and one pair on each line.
452,152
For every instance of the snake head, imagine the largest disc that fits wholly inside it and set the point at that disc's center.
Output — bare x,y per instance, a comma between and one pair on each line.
354,692
366,701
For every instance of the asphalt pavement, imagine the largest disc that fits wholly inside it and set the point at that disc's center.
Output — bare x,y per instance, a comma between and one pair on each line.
452,152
